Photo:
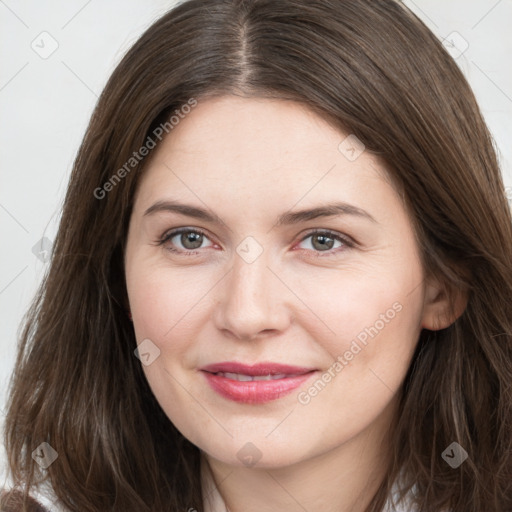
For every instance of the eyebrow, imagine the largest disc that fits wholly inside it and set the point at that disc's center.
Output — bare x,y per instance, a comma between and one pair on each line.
288,218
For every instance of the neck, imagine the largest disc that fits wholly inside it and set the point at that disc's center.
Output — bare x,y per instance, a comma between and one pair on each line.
344,478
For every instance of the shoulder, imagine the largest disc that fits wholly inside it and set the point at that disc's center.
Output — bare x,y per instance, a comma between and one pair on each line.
11,500
409,501
40,499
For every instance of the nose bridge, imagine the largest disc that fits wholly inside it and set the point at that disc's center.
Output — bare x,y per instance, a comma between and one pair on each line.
249,282
249,301
250,268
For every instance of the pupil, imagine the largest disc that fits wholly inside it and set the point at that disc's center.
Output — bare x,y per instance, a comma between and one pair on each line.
193,238
322,244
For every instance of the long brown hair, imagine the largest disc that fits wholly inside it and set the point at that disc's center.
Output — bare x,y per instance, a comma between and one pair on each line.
372,68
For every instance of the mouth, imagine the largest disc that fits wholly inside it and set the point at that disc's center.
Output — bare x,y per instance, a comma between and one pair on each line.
255,384
249,378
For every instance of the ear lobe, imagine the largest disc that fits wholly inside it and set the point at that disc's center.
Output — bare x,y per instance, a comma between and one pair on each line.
442,307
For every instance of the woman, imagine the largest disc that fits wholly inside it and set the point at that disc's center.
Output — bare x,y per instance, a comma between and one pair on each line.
282,278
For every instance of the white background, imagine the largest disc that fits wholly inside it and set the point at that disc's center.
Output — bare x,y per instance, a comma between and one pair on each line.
45,105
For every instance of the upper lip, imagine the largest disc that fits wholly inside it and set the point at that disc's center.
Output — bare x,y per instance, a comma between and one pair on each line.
266,368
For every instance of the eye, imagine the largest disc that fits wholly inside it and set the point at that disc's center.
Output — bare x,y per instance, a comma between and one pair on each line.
322,241
190,239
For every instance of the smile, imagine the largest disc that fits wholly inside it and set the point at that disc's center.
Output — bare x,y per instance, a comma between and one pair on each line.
251,389
246,378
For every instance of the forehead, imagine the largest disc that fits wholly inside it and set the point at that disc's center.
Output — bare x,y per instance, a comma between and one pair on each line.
259,144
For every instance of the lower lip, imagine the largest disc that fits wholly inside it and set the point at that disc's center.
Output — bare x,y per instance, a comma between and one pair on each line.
256,391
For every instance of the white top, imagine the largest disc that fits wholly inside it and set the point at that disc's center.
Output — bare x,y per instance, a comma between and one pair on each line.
43,494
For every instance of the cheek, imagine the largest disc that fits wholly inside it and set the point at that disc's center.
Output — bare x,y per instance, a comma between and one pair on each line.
369,312
167,309
161,299
376,324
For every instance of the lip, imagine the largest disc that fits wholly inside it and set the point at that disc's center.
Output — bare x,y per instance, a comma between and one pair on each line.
259,369
255,392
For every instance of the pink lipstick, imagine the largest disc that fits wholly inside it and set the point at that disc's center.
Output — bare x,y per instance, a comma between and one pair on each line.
255,384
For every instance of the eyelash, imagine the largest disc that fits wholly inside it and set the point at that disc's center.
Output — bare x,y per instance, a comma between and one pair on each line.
348,243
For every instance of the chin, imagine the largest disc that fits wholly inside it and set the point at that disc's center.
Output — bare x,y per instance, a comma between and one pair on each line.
255,455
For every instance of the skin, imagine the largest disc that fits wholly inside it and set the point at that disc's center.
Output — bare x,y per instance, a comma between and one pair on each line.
249,160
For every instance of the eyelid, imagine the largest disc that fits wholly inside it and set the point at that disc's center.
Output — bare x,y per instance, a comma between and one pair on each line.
348,242
171,233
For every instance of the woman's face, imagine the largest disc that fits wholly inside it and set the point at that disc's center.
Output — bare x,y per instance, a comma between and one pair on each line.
249,281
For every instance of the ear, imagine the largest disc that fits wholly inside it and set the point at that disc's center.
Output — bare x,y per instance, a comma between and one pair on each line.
442,306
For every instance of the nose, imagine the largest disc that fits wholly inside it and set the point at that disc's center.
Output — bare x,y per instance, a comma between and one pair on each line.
252,301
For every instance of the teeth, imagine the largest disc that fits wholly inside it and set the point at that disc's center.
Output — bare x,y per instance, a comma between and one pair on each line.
246,378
